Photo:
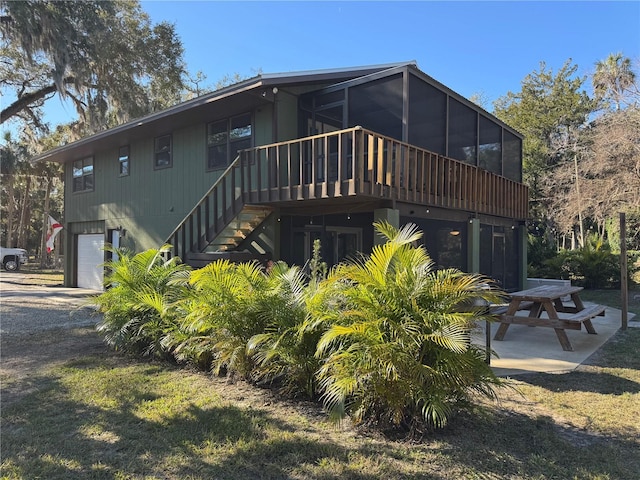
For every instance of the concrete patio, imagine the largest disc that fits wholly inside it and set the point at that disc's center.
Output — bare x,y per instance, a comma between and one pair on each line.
528,349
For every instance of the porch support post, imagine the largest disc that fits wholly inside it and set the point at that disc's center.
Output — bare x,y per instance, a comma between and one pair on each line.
69,255
523,235
391,215
473,246
473,266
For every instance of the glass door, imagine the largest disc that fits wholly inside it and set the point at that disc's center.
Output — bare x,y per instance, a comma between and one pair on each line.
336,243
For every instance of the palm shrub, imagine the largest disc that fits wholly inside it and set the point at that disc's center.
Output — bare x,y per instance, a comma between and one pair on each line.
285,352
398,350
136,304
220,316
593,265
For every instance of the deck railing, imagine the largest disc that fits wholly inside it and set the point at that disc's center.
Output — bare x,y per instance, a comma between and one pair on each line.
348,162
219,206
360,162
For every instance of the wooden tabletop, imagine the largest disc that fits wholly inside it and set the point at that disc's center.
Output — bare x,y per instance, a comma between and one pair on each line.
545,292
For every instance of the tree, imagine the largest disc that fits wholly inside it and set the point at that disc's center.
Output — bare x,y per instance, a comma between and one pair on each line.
10,155
105,57
613,80
29,192
612,165
607,165
550,111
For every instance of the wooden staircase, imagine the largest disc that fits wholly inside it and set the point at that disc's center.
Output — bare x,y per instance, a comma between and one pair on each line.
250,217
219,222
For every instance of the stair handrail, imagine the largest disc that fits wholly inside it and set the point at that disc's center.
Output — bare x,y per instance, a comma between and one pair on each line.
231,166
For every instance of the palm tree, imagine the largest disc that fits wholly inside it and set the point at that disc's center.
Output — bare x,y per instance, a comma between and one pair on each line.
220,316
285,351
137,304
613,78
398,350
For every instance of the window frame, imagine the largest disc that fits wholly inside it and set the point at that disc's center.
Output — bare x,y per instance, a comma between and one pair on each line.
84,163
157,152
124,160
223,145
229,139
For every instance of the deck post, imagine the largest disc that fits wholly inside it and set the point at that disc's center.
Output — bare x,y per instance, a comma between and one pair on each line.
624,287
473,246
473,266
522,240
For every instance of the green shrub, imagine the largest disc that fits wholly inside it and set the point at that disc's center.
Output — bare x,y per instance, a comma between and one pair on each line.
140,290
594,266
285,351
221,315
633,265
385,338
397,350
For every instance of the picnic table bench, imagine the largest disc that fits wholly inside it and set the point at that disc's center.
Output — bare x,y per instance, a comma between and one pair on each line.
548,299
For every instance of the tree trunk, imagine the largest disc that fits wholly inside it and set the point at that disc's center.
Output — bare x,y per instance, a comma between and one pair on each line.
22,227
11,211
45,226
579,203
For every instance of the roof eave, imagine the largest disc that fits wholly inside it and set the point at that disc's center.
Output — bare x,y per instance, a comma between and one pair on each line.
250,84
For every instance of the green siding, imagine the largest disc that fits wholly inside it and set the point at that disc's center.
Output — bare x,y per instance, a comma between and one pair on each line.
148,203
287,108
263,122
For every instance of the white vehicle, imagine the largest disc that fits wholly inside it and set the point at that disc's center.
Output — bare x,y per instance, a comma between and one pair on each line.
12,258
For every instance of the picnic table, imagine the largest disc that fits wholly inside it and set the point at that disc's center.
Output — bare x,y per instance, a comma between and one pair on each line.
560,316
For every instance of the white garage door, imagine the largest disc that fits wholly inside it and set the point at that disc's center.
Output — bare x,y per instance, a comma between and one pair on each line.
90,259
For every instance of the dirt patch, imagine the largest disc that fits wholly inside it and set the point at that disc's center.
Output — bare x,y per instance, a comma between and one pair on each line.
42,326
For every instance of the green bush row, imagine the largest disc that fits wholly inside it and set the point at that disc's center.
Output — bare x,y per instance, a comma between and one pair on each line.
384,339
592,266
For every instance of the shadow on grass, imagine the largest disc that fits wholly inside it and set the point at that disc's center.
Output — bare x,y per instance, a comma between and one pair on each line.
621,351
49,435
582,381
512,445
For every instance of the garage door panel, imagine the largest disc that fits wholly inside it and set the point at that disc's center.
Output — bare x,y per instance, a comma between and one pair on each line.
90,260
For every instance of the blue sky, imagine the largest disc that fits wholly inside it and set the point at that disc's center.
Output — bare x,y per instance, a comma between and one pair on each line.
472,47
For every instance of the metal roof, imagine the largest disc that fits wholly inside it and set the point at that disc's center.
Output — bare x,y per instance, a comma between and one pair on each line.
81,147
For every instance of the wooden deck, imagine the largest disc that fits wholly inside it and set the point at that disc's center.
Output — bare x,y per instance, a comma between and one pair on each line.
360,162
347,163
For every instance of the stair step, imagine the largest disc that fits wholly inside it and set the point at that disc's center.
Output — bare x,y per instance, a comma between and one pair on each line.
238,229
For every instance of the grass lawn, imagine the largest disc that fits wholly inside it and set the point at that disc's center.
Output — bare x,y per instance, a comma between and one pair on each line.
103,415
37,276
613,298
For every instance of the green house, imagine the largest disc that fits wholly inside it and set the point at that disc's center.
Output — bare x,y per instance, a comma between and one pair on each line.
264,167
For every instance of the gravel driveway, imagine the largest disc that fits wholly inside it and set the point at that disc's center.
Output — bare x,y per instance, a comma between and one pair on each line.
26,307
41,326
